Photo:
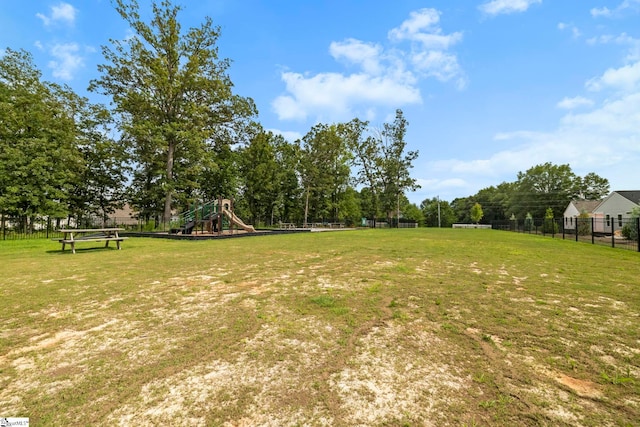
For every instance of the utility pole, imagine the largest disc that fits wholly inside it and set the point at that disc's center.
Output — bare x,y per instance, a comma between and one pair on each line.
439,212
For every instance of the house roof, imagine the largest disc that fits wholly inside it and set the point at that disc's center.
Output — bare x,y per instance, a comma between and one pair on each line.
585,205
124,212
633,196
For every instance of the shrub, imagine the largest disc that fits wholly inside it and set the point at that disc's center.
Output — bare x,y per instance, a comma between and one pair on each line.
583,224
549,226
630,229
528,222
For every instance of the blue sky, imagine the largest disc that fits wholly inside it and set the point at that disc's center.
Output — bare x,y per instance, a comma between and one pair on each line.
489,88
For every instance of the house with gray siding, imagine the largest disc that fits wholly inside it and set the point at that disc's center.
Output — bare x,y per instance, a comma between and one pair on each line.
615,210
577,208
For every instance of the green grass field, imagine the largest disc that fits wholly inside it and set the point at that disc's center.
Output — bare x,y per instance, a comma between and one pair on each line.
373,327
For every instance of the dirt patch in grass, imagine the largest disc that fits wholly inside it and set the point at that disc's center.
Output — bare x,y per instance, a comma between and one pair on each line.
373,328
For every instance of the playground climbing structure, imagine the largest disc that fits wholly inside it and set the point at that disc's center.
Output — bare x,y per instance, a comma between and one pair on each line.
214,217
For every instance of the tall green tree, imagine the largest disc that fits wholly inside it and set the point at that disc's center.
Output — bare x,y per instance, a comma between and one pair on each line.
591,187
437,212
39,156
382,163
411,211
259,171
543,186
495,201
367,161
288,206
395,165
462,207
324,171
476,213
173,94
101,185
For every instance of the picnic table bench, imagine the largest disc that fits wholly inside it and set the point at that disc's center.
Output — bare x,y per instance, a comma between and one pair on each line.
79,235
287,225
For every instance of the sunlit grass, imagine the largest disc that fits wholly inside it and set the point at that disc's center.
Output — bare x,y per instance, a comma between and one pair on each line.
474,327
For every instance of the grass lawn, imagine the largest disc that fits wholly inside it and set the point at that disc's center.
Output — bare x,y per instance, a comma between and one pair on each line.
373,327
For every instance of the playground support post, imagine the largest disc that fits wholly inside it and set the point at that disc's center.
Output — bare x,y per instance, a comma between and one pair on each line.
219,215
230,221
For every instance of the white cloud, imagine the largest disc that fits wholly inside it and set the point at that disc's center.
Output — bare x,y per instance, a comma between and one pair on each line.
67,60
290,136
498,7
63,12
387,76
422,27
615,117
624,40
441,65
572,103
624,78
360,53
633,5
604,11
575,31
605,141
333,95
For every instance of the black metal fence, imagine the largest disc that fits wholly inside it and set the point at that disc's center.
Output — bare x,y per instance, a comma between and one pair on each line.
44,228
615,232
382,223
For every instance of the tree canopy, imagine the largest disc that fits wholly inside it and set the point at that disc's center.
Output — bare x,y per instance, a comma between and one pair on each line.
50,143
178,133
173,95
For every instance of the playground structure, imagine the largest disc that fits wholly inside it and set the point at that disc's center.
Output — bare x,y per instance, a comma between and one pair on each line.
214,217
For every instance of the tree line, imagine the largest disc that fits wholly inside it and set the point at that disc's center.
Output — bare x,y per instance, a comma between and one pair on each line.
177,134
541,191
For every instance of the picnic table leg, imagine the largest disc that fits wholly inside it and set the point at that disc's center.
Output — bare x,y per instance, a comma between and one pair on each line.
106,243
73,247
118,244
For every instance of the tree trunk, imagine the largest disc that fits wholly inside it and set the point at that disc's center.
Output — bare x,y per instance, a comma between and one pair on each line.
166,217
306,208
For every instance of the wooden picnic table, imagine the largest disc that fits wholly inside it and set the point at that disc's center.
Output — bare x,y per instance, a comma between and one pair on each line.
75,235
287,225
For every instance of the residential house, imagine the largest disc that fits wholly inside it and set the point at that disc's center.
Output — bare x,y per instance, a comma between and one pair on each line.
575,209
124,216
615,210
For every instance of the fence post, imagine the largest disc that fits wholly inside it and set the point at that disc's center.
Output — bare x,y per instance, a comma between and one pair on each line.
613,227
638,231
